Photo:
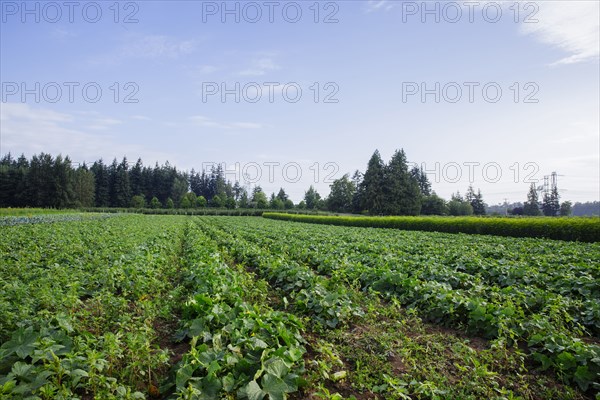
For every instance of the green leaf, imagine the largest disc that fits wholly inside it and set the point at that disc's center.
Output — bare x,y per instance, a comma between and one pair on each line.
277,367
583,376
274,386
183,375
253,391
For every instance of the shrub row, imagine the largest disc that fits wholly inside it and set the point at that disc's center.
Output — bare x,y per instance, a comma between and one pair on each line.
571,229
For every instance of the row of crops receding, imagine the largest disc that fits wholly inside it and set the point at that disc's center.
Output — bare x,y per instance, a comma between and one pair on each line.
206,307
570,229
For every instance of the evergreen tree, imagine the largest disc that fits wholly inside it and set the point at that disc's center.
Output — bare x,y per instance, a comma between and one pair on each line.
84,187
121,190
136,178
550,204
244,202
532,205
400,189
371,187
421,177
281,195
101,175
475,200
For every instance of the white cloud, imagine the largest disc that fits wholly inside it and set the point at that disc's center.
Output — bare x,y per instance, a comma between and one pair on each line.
204,121
572,26
136,46
260,66
29,130
155,46
141,118
376,5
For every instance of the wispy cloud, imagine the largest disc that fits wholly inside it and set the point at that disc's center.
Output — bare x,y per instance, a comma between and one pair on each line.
32,130
260,66
203,121
572,26
376,5
147,47
141,118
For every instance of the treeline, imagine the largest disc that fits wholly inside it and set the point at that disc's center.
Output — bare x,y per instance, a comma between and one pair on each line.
391,188
47,181
394,189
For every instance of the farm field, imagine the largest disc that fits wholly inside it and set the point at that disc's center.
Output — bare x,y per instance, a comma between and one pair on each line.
151,306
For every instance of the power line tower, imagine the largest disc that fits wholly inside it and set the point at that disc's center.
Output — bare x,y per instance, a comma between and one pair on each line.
550,182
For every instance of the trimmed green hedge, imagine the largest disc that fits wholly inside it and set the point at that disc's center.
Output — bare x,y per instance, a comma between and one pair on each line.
572,229
179,211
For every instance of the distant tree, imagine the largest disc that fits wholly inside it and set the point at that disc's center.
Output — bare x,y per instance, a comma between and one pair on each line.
218,201
84,187
138,201
170,204
281,195
288,204
119,187
371,187
64,195
357,198
155,203
401,192
475,200
277,204
302,205
179,189
341,195
550,204
136,177
192,199
230,203
565,209
237,191
459,206
421,177
200,202
244,201
588,208
185,203
259,198
516,211
433,205
311,198
532,206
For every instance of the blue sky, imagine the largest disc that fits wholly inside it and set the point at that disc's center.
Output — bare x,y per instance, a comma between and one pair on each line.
371,60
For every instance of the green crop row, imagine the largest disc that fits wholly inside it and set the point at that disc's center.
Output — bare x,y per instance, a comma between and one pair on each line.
79,304
310,294
237,347
570,229
420,270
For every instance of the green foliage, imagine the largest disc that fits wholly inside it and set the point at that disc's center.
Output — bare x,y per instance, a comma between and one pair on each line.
532,205
550,204
512,290
155,203
433,205
341,195
312,198
138,201
566,208
574,229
